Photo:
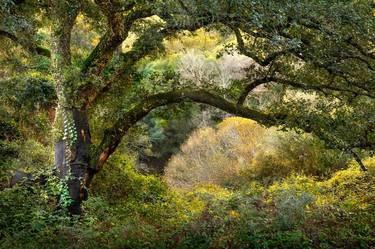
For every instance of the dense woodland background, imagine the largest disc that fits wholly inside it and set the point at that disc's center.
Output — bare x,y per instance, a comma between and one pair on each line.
187,124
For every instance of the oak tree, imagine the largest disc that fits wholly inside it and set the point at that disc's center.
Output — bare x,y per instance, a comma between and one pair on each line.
323,48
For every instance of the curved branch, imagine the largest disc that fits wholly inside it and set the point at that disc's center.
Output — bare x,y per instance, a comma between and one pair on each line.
112,137
321,88
29,45
141,48
250,87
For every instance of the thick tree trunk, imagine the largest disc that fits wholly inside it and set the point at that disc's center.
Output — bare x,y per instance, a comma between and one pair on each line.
75,169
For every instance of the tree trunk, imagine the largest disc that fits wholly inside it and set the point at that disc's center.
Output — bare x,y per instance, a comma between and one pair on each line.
72,161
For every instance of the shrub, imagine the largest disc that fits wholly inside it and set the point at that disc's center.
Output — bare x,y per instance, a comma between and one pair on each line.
284,153
240,150
29,217
214,156
290,208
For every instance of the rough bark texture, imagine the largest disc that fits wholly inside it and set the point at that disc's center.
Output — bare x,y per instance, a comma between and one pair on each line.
79,166
77,171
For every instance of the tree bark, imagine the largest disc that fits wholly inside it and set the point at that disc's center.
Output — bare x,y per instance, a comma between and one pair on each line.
76,169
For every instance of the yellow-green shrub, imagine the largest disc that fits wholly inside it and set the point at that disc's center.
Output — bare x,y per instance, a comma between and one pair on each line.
240,150
215,155
283,153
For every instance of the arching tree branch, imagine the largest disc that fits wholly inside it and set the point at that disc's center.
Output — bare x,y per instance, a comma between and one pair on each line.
112,137
321,87
141,48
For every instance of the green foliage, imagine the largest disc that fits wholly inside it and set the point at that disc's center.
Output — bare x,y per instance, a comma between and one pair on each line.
338,124
9,130
282,153
29,217
286,190
129,210
28,155
37,94
120,180
27,104
39,159
241,150
290,207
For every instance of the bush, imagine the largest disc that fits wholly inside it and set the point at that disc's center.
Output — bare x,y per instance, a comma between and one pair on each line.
119,181
240,150
129,210
214,156
9,130
29,217
28,156
284,153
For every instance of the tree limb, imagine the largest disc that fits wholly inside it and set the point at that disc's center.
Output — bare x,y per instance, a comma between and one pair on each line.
29,45
358,159
113,136
142,47
65,13
250,87
263,62
117,32
319,88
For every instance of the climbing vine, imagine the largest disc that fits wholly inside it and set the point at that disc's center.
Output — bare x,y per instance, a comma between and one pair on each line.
70,135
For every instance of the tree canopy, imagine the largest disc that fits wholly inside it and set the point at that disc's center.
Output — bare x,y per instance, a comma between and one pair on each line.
89,55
